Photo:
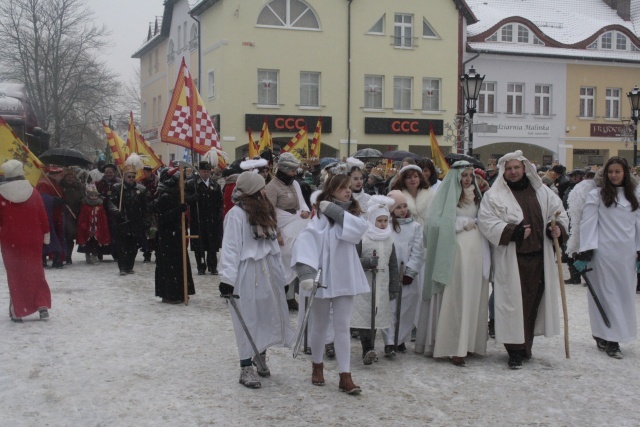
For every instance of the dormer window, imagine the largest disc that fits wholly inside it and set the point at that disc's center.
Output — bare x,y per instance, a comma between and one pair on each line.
613,40
520,34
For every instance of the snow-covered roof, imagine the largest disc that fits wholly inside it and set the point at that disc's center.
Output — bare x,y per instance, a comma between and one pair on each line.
566,21
557,52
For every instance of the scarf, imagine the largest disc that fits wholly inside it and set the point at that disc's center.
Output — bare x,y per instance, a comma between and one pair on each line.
282,176
258,231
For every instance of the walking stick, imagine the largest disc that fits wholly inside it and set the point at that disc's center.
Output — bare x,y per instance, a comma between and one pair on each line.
184,238
305,348
583,273
374,310
562,291
398,307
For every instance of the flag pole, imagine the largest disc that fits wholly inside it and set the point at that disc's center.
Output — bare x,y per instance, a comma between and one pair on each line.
184,238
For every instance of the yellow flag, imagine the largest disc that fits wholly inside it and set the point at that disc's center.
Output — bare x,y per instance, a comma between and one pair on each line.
116,145
137,144
12,148
265,138
299,145
436,155
316,141
253,147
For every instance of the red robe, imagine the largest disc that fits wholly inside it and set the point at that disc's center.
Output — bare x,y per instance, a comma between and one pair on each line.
96,216
23,224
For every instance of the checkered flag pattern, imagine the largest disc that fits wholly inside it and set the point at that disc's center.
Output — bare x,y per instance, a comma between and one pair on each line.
180,124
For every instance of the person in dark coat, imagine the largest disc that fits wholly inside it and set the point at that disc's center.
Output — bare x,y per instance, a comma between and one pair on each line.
132,216
51,194
169,266
105,188
205,209
72,193
150,182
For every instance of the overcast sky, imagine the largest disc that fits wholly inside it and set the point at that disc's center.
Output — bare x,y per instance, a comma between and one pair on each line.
128,21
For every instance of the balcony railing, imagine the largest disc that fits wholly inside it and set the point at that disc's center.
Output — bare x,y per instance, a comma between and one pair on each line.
404,42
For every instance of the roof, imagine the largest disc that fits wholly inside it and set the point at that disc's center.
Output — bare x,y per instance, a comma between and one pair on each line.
162,34
565,27
567,22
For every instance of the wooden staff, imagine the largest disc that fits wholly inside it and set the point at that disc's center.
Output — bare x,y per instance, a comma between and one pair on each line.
184,238
562,292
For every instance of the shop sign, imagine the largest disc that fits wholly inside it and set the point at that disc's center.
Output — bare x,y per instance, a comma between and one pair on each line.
586,151
521,129
283,123
150,134
390,126
606,130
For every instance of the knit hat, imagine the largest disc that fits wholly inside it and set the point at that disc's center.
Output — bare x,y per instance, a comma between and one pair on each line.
398,199
287,162
250,183
480,172
12,168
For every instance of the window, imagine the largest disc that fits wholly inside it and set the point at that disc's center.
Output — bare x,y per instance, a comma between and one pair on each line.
156,62
402,88
150,68
309,89
378,27
160,111
536,40
144,115
515,92
605,41
193,40
430,94
403,30
427,30
523,34
289,14
373,89
612,103
487,98
171,52
621,42
211,84
507,33
185,41
542,101
587,102
179,37
267,87
492,38
154,112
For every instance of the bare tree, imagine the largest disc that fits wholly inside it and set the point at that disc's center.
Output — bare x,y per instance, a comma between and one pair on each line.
53,48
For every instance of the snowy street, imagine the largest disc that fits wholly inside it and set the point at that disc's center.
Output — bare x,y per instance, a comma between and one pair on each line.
113,355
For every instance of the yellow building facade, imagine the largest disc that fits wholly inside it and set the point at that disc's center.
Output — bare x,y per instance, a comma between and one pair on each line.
597,104
380,74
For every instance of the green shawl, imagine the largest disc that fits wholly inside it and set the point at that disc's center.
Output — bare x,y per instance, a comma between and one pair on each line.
440,230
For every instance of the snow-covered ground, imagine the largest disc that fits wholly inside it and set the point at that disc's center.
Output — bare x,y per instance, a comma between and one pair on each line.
113,355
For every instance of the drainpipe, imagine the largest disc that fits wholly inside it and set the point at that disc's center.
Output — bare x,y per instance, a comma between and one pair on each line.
199,52
349,79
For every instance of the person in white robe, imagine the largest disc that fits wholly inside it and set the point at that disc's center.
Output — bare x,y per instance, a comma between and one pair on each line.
284,193
356,172
408,242
610,243
458,266
525,272
251,269
329,243
377,256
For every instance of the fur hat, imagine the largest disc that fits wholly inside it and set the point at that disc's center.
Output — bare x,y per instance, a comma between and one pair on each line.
249,165
398,199
287,162
12,168
352,162
250,183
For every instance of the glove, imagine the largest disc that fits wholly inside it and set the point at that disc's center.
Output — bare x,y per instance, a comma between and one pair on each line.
225,289
584,256
373,261
306,284
407,280
580,265
182,207
323,205
518,234
469,225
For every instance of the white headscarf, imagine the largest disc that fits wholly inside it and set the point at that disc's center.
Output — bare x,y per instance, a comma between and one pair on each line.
378,206
529,169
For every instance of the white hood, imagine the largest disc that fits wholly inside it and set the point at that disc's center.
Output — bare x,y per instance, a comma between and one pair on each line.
16,191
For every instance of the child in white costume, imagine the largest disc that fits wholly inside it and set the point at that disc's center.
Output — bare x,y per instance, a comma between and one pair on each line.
407,238
329,242
251,268
377,255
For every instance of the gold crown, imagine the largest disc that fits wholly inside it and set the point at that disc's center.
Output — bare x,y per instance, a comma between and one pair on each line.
129,169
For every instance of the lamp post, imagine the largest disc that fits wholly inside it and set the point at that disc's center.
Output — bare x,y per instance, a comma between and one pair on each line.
471,85
634,99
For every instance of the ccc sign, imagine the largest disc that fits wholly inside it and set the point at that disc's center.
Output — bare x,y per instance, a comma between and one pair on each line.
405,126
289,123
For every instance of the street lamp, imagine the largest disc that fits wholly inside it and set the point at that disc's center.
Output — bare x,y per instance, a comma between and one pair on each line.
634,99
471,85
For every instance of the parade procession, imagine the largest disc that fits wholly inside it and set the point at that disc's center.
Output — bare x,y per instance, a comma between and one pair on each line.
458,244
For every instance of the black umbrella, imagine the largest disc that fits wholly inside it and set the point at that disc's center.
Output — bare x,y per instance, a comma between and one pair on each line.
367,153
326,161
451,158
399,155
64,157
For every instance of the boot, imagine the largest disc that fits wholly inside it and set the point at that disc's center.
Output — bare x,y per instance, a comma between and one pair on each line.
317,375
330,350
263,373
248,377
347,385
